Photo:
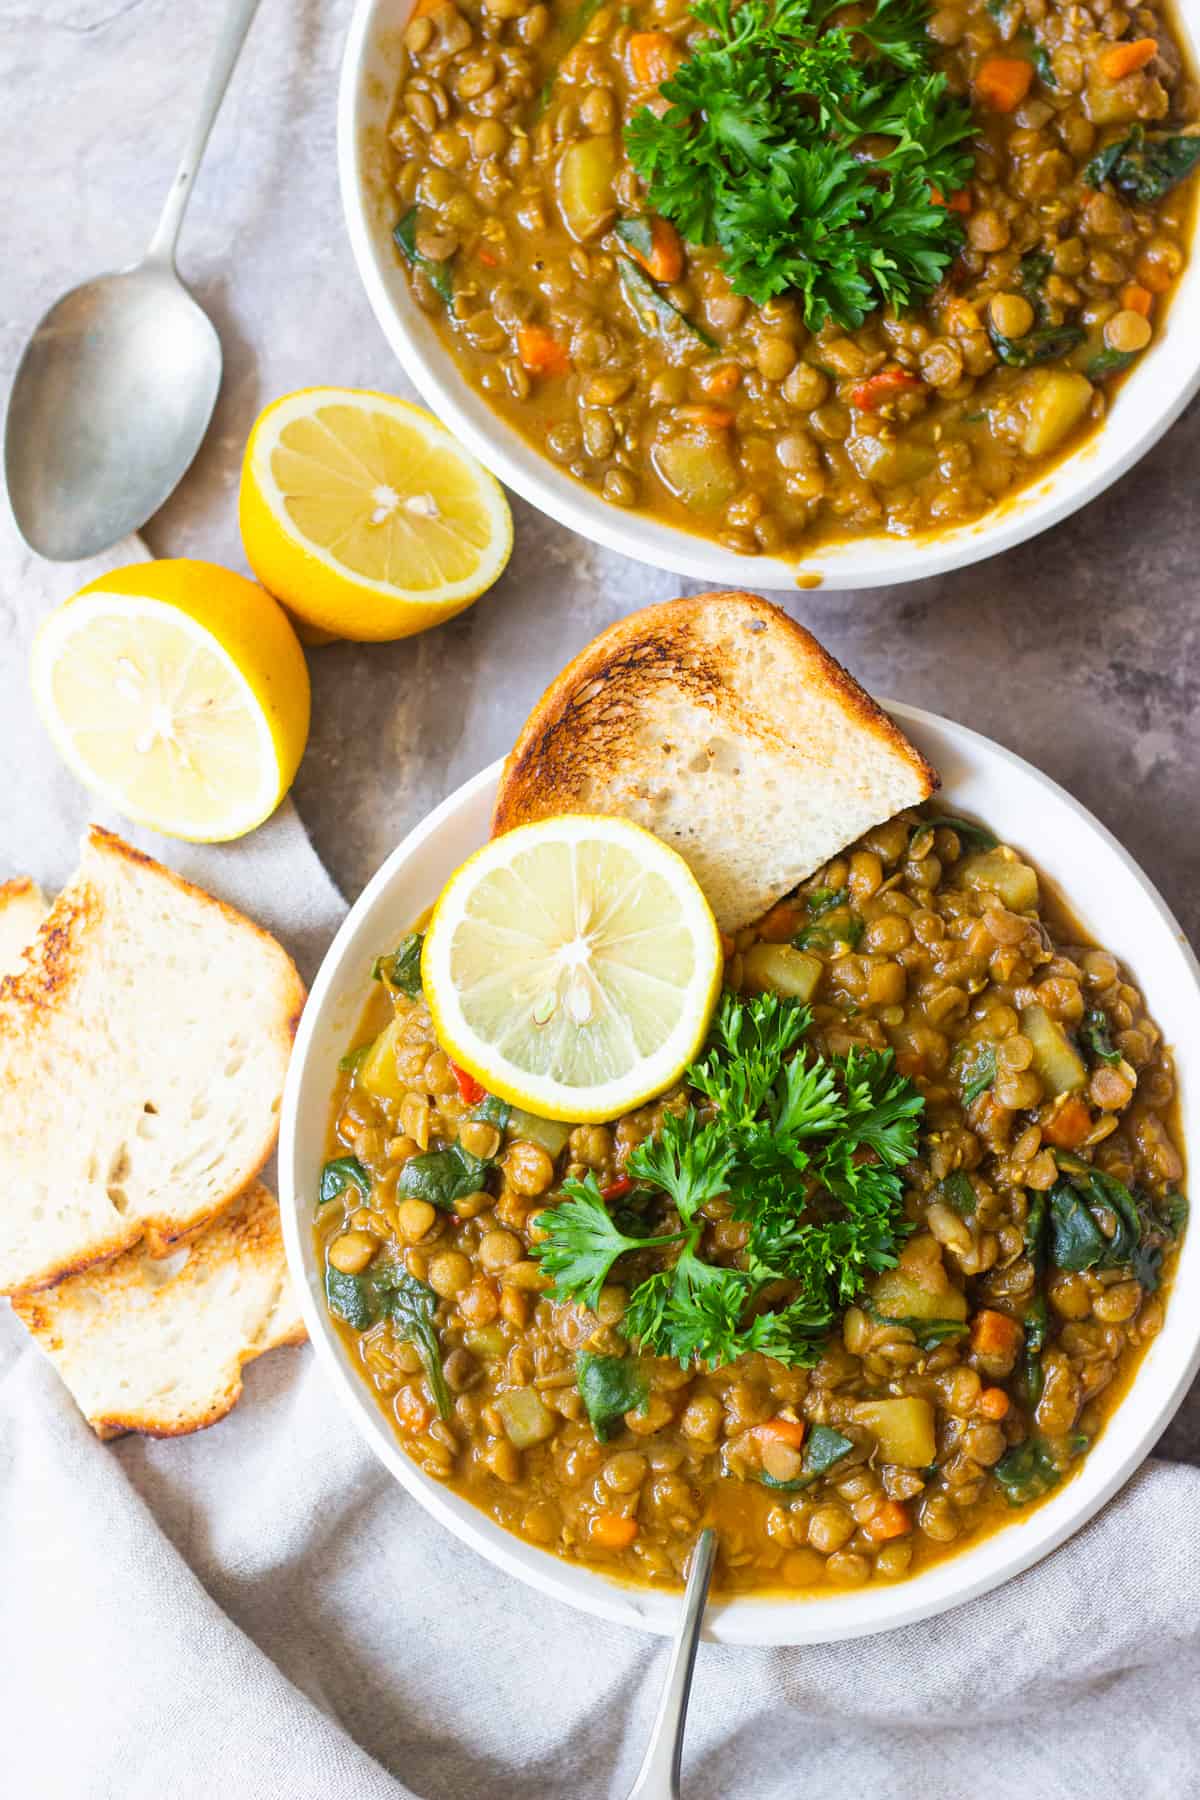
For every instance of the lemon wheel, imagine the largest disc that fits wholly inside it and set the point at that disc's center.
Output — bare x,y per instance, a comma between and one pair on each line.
365,517
572,966
177,690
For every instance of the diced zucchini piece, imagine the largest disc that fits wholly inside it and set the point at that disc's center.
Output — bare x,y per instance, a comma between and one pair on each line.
1057,401
782,969
889,462
550,1134
897,1296
527,1420
1054,1058
377,1072
903,1429
699,471
487,1342
586,171
1004,874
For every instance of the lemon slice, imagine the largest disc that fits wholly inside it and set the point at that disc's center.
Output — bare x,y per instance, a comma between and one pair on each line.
572,966
178,691
364,516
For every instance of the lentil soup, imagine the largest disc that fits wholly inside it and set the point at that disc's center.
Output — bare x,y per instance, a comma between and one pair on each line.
1039,1212
686,379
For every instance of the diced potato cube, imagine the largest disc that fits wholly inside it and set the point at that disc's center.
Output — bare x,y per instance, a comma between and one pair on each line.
782,969
377,1072
903,1430
1057,400
699,472
527,1420
487,1342
586,171
1013,881
898,1296
1054,1060
888,462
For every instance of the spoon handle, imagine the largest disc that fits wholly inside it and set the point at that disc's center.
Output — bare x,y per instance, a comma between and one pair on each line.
658,1777
233,35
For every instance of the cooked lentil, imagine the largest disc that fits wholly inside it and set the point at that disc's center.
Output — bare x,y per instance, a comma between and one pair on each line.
507,140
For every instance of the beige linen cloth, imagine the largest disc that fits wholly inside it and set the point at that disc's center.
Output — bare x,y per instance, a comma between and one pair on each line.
261,1613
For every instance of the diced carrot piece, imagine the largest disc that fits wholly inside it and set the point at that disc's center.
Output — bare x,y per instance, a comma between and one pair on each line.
781,1431
993,1403
728,945
1138,299
612,1531
616,1190
665,261
720,382
488,258
936,196
960,200
1070,1125
877,390
540,351
911,1063
781,923
1002,82
1120,60
710,418
469,1089
891,1520
994,1333
654,57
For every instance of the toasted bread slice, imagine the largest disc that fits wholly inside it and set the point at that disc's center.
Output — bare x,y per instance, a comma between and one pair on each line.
22,909
722,726
143,1046
159,1345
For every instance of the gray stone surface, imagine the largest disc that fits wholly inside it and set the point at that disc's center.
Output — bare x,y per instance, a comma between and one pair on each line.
1079,650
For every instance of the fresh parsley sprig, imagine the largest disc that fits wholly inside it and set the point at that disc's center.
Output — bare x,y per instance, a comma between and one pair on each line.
760,152
808,1150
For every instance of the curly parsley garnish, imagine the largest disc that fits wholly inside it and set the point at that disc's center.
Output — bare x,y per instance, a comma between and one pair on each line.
817,158
806,1148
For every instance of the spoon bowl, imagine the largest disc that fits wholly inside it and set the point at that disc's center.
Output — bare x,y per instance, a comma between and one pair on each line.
117,385
111,401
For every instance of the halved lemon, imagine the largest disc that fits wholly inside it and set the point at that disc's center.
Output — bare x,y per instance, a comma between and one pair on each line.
177,690
365,517
572,967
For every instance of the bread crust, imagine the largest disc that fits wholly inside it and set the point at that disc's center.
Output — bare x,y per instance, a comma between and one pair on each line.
35,1000
580,724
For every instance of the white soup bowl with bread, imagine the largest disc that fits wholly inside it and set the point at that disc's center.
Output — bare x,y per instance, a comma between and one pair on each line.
1115,903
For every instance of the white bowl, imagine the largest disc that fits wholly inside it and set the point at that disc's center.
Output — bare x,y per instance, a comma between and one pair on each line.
1116,904
1152,399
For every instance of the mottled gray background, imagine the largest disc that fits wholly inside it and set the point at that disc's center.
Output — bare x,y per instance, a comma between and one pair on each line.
1079,649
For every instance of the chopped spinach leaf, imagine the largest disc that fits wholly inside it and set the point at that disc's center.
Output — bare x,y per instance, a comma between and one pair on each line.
638,234
402,967
1027,1472
830,930
492,1110
352,1059
1109,362
1040,57
412,1307
572,31
444,1176
653,311
929,1333
1046,345
1077,1242
610,1386
974,1067
1145,165
823,900
341,1173
1080,1207
955,1191
351,1297
1095,1034
1174,1213
437,274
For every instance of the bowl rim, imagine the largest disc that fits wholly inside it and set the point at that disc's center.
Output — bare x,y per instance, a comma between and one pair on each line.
748,1619
877,561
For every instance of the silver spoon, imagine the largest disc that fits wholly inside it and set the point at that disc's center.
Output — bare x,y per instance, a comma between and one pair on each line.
658,1777
114,393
